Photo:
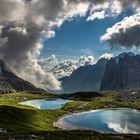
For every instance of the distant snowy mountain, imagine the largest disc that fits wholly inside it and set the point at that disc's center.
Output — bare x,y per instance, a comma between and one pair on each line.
109,73
62,68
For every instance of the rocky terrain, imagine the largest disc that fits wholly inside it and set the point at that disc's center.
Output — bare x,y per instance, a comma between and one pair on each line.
10,83
131,95
122,72
119,73
85,79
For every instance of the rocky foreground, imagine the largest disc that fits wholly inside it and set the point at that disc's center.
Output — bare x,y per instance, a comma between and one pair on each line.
131,95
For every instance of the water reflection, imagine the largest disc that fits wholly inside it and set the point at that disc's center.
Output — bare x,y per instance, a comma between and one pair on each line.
112,121
122,121
43,104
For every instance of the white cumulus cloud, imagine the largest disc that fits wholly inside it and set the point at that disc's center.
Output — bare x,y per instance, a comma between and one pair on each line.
106,56
125,33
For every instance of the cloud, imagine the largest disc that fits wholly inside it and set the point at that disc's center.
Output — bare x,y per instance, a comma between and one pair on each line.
24,24
97,15
106,56
98,11
12,11
122,122
48,63
61,68
112,8
126,4
86,51
125,33
86,60
125,129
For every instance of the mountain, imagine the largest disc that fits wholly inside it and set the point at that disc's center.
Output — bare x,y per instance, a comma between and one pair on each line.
10,83
122,72
85,78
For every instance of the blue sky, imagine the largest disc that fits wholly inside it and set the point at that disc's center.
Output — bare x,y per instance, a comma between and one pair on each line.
80,37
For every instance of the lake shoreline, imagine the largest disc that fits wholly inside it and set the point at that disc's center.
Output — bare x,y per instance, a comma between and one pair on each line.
61,124
42,120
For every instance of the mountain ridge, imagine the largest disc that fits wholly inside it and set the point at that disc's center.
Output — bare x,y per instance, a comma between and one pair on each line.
124,74
10,83
84,79
118,73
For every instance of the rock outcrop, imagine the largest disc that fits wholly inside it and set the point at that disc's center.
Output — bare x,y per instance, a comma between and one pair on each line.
10,83
122,72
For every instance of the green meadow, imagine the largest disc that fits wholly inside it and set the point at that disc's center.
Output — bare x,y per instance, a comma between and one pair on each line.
26,122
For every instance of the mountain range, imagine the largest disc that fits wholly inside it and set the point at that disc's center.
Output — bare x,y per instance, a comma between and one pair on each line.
122,72
85,78
118,73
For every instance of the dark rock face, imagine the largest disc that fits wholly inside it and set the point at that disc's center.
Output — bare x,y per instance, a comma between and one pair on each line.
122,73
86,96
131,95
10,83
86,78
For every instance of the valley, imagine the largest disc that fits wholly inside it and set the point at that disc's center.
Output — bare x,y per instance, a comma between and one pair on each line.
20,121
69,69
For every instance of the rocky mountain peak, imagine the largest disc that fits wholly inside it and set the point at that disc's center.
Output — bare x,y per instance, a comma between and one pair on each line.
125,74
123,55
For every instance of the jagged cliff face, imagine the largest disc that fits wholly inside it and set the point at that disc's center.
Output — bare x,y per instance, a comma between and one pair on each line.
10,83
122,72
0,67
86,78
118,73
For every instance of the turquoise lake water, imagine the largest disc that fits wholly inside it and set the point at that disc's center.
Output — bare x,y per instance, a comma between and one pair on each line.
109,121
43,104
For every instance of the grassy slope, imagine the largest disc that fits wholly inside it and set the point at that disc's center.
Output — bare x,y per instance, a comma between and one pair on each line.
24,120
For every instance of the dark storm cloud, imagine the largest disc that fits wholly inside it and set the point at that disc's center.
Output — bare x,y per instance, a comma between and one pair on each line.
125,33
129,3
19,42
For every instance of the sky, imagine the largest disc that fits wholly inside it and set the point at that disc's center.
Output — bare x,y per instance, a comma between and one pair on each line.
80,37
80,30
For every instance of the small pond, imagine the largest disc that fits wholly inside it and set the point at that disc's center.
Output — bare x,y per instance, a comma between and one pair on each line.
106,121
43,104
